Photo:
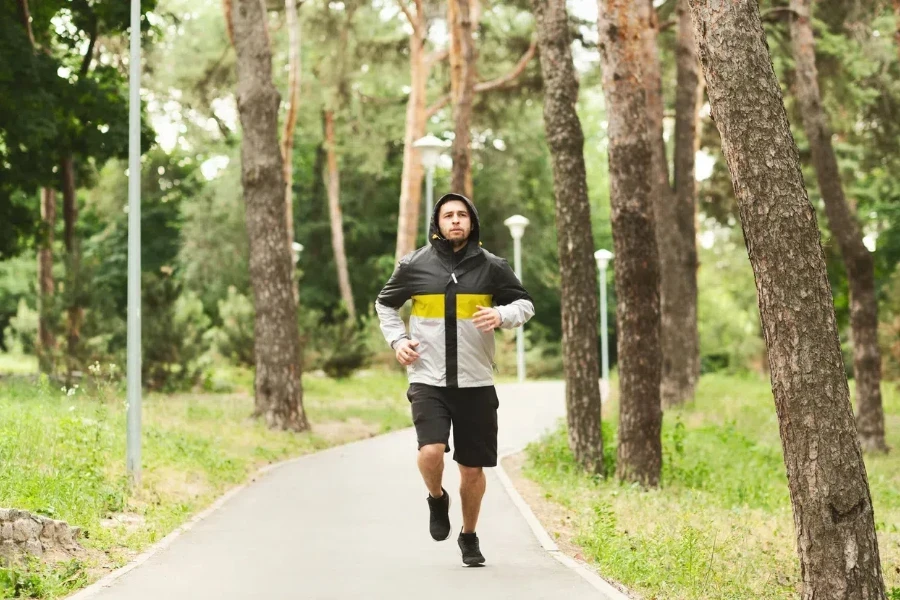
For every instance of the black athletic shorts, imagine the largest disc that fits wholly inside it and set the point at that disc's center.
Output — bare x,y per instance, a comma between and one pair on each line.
471,411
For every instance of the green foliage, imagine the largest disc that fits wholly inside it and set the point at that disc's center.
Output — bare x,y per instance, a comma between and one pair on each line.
727,312
720,526
233,339
172,334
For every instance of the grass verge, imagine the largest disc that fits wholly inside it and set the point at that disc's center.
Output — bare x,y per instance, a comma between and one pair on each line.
720,526
63,455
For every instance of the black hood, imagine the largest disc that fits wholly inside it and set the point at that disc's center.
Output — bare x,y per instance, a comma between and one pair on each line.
435,236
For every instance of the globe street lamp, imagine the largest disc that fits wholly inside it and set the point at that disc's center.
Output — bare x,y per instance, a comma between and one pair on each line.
517,224
603,257
430,149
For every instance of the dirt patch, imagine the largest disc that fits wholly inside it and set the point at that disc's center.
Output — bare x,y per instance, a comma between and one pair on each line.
342,432
556,519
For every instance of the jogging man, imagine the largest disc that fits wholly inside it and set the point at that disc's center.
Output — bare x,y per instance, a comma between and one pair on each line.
460,294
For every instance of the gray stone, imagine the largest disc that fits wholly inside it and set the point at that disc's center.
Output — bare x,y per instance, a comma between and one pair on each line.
34,548
21,530
6,531
4,514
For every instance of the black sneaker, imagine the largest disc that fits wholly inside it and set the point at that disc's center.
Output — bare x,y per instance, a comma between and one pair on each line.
439,524
471,552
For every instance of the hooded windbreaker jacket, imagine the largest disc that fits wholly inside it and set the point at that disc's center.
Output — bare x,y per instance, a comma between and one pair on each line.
445,290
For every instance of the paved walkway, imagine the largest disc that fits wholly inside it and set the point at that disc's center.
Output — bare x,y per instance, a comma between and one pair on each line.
352,523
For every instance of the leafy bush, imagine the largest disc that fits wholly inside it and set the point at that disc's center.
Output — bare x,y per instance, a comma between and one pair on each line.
233,339
338,347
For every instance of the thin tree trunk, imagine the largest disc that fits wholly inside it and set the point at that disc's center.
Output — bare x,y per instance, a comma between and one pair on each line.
73,261
857,259
637,262
674,388
678,241
333,184
463,71
829,489
575,241
897,17
46,342
25,18
46,337
290,122
411,178
279,393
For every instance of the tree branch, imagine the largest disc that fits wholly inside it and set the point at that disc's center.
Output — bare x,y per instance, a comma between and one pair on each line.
437,56
409,16
668,24
89,55
513,74
25,16
493,84
774,14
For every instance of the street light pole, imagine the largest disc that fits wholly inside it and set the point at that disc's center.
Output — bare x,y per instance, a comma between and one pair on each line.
517,224
430,149
603,257
133,443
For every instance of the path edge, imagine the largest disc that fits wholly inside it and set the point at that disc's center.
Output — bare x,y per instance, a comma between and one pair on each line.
547,543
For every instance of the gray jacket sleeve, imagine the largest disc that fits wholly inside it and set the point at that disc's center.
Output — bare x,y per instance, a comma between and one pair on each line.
393,295
510,298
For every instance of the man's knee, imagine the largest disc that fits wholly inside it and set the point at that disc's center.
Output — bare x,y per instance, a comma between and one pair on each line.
433,454
470,473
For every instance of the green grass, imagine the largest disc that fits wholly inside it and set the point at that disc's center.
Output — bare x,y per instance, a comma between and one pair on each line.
62,455
720,526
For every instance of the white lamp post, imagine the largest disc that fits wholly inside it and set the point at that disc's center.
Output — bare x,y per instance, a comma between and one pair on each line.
430,149
133,370
517,224
603,257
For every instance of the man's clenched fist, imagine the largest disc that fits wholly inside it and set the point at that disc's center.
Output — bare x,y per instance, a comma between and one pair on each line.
406,352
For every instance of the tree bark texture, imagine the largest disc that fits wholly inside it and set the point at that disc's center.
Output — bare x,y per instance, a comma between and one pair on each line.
575,240
333,185
278,379
290,121
411,178
857,259
636,254
681,360
73,260
827,478
464,69
46,336
677,338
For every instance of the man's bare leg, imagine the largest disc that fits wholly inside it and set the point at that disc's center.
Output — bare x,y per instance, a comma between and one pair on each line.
431,466
471,491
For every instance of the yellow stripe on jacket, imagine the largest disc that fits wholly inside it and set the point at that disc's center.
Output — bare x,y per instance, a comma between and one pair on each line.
431,306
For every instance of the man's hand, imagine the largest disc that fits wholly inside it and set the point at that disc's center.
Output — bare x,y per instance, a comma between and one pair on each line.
487,319
406,353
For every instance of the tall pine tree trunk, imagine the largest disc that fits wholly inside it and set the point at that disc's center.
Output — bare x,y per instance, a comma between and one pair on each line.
279,391
290,122
46,335
575,241
680,374
73,262
857,259
411,178
829,489
897,17
462,62
637,262
675,385
333,185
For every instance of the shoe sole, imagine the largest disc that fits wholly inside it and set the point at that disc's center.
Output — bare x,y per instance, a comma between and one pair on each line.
450,532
